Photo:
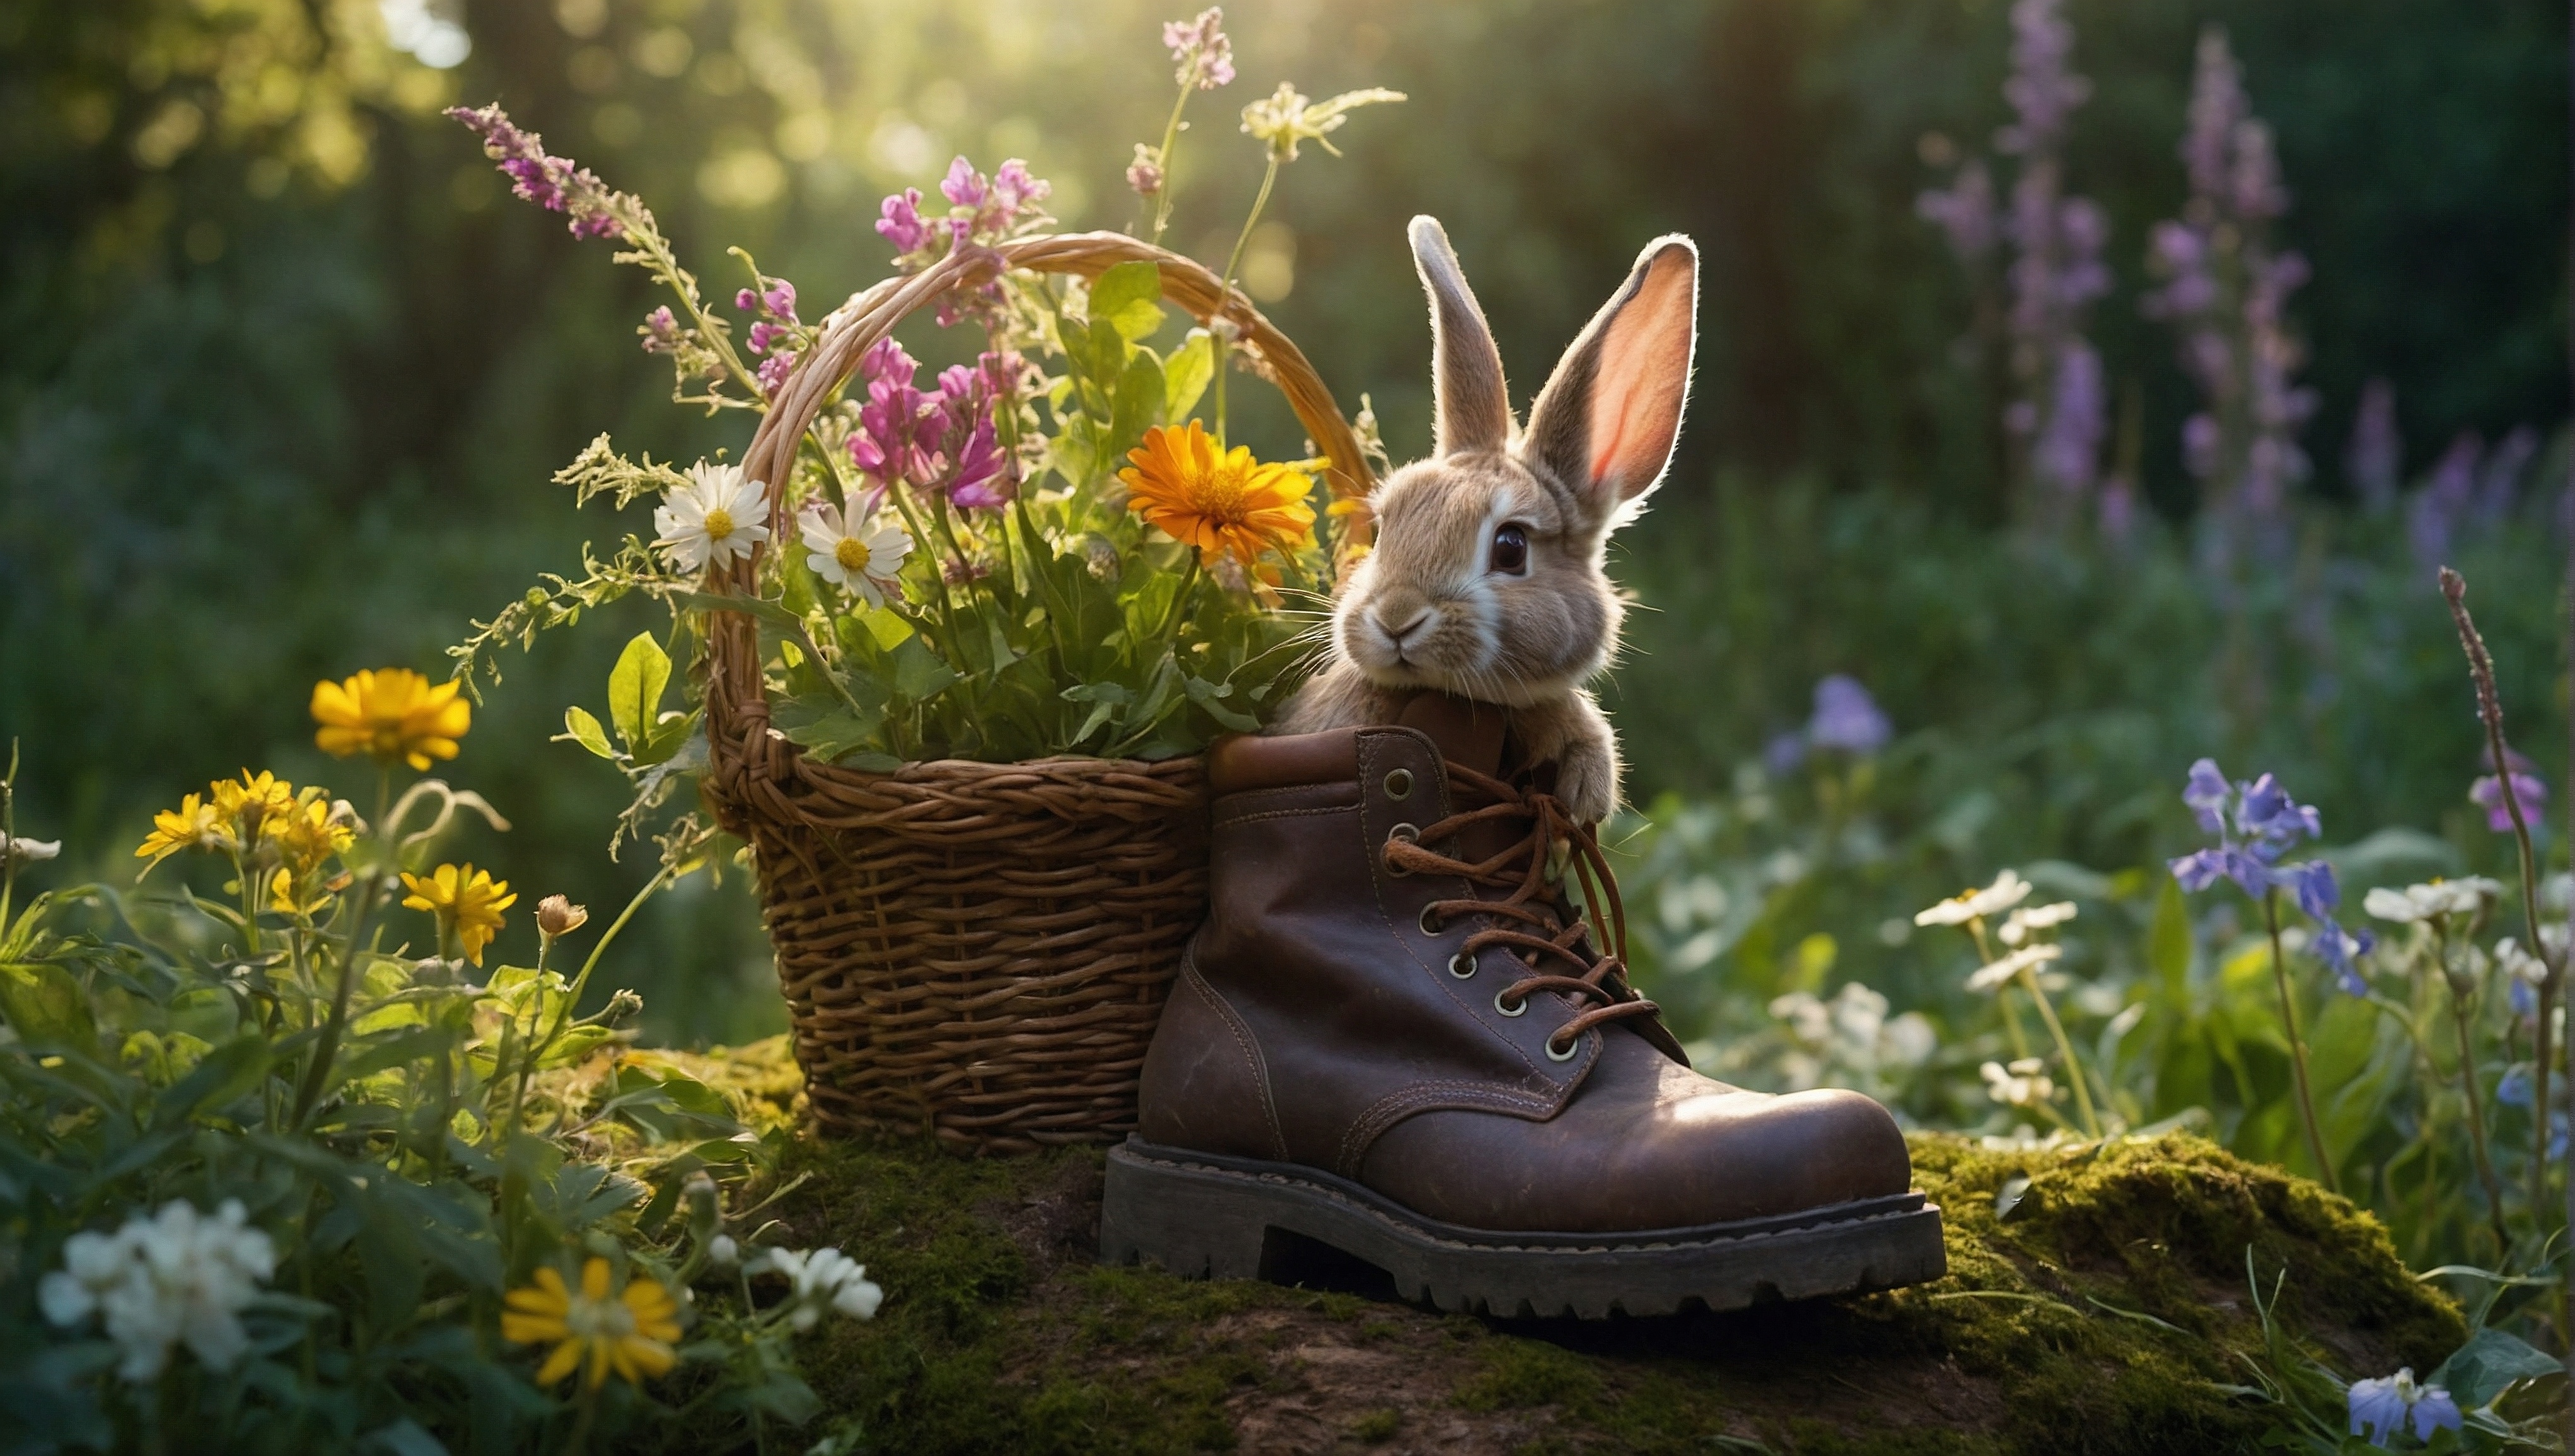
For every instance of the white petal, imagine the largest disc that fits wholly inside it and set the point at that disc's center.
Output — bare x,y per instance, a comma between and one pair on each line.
829,568
860,1298
819,532
64,1299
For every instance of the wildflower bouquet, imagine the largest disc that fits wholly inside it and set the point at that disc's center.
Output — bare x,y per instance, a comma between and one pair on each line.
1052,546
292,1169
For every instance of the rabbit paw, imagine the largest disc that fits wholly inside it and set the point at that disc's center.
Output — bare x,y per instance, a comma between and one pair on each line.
1577,736
1586,779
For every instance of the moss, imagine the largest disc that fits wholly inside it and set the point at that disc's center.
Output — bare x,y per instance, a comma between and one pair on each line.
2101,1314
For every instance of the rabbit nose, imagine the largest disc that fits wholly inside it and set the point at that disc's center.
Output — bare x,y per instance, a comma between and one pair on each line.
1395,631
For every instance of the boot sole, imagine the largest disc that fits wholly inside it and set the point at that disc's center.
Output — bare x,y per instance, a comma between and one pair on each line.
1199,1215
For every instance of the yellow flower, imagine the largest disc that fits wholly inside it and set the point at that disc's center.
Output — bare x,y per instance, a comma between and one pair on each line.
1285,117
389,714
631,1334
1223,504
466,900
307,833
253,801
194,825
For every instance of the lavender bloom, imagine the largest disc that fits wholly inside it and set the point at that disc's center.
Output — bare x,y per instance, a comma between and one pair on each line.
2437,510
2375,460
1847,718
983,479
964,186
2225,292
1200,51
2527,785
2339,949
2205,793
1966,213
2058,415
899,429
2500,482
1785,752
557,184
1017,191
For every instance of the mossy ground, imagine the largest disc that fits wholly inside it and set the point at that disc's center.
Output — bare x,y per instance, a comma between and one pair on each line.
2103,1313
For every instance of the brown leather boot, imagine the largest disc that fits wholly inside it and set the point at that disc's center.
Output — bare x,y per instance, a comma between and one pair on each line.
1394,1036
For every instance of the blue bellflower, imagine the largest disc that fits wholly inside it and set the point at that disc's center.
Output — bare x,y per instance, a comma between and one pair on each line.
2255,823
2382,1407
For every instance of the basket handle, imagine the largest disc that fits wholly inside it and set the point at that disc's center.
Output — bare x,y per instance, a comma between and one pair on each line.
856,326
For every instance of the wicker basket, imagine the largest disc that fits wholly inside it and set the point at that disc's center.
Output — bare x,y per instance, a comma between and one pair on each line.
975,949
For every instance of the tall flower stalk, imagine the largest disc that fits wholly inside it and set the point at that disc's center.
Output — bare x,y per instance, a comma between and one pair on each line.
2455,589
1203,58
2057,418
2256,822
2226,292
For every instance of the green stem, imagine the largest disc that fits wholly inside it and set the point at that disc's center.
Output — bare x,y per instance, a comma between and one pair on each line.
2298,1044
2476,1114
2066,1049
327,1048
1163,153
1169,635
8,834
572,995
2003,993
1224,295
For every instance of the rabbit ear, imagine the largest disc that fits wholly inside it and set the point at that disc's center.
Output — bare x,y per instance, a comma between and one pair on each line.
1473,406
1608,418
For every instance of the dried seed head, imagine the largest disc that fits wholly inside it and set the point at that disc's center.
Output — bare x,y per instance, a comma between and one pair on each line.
557,916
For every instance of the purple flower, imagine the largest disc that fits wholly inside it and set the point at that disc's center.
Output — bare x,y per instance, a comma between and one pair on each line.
2206,794
760,333
1200,50
2437,510
2313,885
2339,948
746,300
781,299
2270,816
2500,482
1847,718
557,184
2380,1408
2527,787
900,222
1966,213
774,370
1017,191
964,186
983,479
1145,174
661,332
2375,460
1785,752
2067,453
899,429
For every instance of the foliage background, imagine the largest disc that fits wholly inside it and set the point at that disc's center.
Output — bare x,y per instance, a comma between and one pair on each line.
286,374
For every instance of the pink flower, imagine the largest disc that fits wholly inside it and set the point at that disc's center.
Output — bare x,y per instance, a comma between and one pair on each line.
557,184
900,221
773,370
964,185
781,299
1016,190
661,332
984,477
1200,49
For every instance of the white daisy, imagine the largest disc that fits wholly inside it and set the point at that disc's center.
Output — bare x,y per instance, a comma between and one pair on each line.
850,556
1999,973
2008,891
2026,918
716,518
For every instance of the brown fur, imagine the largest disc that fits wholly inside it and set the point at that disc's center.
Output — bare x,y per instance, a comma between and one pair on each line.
1425,610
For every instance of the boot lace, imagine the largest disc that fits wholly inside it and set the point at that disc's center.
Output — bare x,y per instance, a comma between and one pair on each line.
1530,922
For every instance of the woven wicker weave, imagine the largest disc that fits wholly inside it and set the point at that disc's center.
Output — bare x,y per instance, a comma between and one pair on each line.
978,949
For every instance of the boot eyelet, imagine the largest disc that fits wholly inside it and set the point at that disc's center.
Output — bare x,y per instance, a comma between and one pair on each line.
1399,784
1566,1054
1462,967
1407,834
1431,924
1519,1010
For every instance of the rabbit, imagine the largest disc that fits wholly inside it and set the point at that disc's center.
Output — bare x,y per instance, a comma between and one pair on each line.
1486,577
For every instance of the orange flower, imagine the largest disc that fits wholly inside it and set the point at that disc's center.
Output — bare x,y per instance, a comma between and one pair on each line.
392,713
1224,503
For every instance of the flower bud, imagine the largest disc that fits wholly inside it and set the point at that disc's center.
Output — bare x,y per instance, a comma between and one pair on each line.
30,851
1145,174
723,1251
557,916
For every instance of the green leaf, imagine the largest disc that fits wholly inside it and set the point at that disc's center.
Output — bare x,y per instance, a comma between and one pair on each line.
886,625
767,611
2168,942
918,675
584,729
824,726
1129,299
1207,695
226,1074
667,737
1139,402
635,688
2490,1363
46,1006
1187,373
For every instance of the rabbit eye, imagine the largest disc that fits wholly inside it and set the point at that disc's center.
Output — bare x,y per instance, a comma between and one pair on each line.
1510,550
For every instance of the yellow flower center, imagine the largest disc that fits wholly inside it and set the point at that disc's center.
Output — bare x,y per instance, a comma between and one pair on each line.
719,524
1219,494
598,1319
851,554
